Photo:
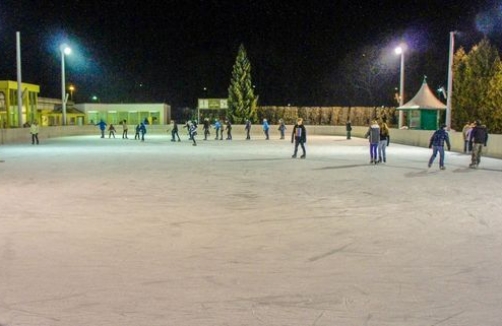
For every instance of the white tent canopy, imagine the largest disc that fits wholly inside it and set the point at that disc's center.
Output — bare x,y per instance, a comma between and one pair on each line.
424,100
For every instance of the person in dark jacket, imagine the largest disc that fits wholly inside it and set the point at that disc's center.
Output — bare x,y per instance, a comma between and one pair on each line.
437,141
206,125
299,136
384,141
229,129
248,129
174,131
348,128
478,139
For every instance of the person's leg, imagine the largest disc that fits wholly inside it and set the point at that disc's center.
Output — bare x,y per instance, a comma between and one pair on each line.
384,150
303,149
480,150
474,155
32,139
380,151
441,157
433,156
296,148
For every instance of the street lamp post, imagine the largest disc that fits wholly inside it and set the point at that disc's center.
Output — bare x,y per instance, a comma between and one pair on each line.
400,51
450,81
65,50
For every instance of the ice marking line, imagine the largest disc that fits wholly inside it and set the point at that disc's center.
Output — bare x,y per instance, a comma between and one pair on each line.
448,318
315,321
329,253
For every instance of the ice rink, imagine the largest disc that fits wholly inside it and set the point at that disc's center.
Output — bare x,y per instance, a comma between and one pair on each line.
128,233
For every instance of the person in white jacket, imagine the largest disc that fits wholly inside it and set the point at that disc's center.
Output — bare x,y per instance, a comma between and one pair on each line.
34,129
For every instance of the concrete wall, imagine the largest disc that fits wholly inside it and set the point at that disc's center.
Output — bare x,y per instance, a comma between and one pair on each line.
418,138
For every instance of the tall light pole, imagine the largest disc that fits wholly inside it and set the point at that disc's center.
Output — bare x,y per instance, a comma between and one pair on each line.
450,81
65,50
400,51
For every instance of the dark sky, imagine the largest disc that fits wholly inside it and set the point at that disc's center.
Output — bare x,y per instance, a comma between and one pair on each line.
133,51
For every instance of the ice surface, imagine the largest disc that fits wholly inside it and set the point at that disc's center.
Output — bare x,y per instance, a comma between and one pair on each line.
120,232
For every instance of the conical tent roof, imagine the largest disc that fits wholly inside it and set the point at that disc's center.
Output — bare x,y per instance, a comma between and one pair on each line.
424,100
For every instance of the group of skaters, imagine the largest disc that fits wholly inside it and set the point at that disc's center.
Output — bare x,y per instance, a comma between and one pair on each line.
139,135
299,135
475,137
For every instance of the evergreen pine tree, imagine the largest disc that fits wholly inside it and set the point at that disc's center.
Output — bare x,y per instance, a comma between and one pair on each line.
242,101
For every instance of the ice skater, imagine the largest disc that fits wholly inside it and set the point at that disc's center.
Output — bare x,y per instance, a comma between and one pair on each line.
142,130
174,131
34,129
384,142
299,136
193,132
265,127
218,128
111,130
248,129
437,141
206,126
102,126
124,129
478,139
229,129
374,137
282,128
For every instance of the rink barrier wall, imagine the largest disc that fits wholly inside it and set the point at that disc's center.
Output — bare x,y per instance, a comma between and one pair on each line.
419,138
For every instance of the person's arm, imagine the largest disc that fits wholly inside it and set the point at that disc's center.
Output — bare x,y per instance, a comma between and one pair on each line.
447,140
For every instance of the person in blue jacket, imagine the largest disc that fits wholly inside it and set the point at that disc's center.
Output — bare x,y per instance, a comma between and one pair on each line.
217,127
265,127
102,126
142,130
437,142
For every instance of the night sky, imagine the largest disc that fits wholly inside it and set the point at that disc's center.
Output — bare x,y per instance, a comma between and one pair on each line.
133,51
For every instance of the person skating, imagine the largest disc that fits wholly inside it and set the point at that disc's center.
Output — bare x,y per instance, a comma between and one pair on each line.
34,129
111,131
174,131
282,128
248,129
193,132
206,126
437,141
142,130
102,126
299,137
384,142
478,139
374,137
218,129
348,128
265,127
229,129
124,129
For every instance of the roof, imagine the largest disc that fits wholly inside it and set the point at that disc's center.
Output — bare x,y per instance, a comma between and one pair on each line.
423,100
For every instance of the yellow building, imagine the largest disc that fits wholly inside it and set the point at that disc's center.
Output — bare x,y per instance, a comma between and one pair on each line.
9,110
